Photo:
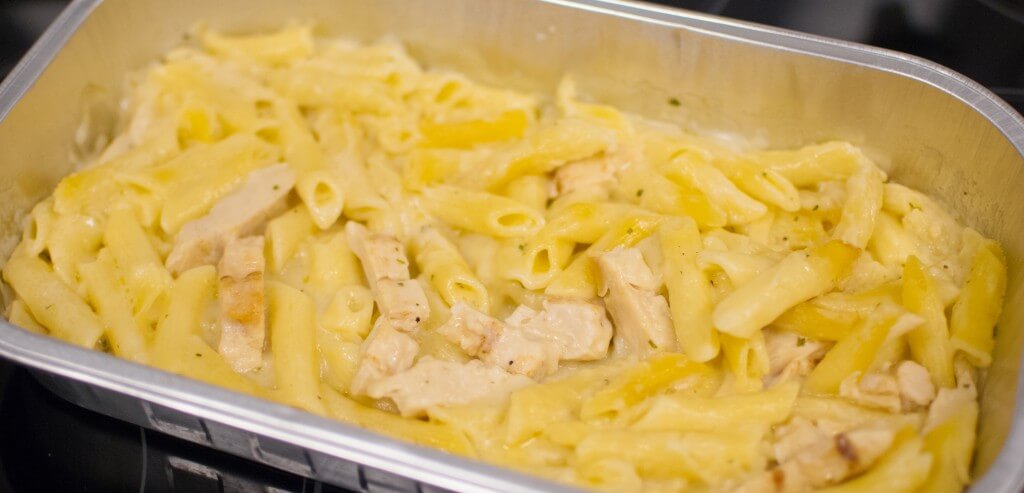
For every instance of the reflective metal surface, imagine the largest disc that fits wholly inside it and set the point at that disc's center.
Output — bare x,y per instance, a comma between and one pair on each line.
933,129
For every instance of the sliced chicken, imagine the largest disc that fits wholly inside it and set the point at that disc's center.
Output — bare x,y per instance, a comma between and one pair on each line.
497,344
641,316
579,329
594,173
437,383
400,300
947,402
873,389
791,356
385,352
240,296
586,174
916,388
242,212
795,436
827,461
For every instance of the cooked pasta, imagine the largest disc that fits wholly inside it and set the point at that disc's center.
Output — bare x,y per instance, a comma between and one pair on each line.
545,283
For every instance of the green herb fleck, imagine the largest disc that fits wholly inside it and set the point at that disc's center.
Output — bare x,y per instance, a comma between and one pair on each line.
652,344
522,247
816,206
402,261
673,102
277,187
640,193
630,231
199,355
800,341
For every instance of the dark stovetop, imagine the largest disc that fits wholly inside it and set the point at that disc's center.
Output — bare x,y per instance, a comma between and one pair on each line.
47,444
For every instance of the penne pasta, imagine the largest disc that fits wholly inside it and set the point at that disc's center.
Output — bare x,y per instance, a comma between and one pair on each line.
482,212
293,345
545,283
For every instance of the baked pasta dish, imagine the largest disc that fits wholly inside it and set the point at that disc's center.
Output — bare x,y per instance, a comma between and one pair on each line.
538,281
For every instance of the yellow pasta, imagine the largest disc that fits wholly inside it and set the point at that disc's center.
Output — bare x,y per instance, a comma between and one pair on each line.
689,293
863,203
349,312
699,456
531,190
747,359
951,445
75,240
645,380
796,278
443,266
285,233
816,163
125,336
332,263
929,343
144,274
51,301
18,314
976,311
542,282
853,353
686,413
482,212
293,342
318,185
508,125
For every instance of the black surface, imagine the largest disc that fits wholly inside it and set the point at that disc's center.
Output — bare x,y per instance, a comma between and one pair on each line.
47,444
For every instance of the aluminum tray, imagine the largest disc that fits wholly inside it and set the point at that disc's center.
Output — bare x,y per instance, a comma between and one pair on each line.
933,129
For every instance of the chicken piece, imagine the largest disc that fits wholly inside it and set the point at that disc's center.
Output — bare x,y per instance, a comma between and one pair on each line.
437,383
585,174
873,389
240,296
825,462
947,402
242,212
641,316
791,356
473,331
579,329
595,173
404,303
495,343
916,388
795,436
382,256
400,300
385,352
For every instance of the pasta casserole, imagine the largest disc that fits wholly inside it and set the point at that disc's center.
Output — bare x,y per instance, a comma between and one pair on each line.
541,282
